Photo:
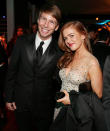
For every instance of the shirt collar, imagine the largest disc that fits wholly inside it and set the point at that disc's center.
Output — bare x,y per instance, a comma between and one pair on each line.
46,42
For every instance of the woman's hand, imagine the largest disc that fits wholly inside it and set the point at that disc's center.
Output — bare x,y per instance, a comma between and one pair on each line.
65,100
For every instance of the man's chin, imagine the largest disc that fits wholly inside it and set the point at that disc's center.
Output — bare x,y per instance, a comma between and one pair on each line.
45,36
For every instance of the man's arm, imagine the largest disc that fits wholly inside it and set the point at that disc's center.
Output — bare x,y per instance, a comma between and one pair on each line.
11,76
106,83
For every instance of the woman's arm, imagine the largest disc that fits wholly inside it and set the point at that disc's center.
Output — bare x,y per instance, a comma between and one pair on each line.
95,75
65,100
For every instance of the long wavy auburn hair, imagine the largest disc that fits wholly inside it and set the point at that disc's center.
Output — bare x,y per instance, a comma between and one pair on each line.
66,59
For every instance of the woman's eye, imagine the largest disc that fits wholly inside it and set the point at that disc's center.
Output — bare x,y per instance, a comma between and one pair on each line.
64,39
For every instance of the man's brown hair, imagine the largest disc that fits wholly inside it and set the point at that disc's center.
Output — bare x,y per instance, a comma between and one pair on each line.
52,9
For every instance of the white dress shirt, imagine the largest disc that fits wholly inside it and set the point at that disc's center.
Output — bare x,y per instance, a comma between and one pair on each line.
45,45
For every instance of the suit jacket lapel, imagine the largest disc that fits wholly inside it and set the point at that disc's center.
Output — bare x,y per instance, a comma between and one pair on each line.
30,49
48,55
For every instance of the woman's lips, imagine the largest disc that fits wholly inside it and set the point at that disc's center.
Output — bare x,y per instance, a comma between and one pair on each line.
70,44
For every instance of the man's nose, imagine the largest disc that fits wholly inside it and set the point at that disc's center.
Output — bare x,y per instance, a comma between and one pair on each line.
46,23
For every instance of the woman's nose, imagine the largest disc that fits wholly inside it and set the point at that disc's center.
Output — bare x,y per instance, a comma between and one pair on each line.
68,40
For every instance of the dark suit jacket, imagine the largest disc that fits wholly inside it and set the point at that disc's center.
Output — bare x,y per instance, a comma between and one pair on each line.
106,83
28,85
101,50
106,90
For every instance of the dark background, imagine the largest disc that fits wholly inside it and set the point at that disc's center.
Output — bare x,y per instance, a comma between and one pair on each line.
2,8
71,9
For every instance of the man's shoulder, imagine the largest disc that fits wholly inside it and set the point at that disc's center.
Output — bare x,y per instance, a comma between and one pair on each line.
54,40
108,57
27,38
56,47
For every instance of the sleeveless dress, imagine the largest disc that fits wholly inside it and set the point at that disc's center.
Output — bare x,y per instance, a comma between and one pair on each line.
89,107
73,79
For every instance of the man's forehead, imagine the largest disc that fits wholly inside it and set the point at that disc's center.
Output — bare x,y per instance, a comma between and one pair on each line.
49,14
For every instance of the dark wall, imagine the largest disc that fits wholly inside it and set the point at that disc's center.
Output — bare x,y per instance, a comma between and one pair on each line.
21,13
3,8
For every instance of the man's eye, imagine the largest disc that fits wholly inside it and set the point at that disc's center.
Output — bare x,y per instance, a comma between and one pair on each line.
71,36
43,18
52,22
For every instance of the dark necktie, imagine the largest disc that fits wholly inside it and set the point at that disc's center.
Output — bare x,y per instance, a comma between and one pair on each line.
39,51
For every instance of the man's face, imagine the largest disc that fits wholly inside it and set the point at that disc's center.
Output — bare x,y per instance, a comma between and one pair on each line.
19,31
47,24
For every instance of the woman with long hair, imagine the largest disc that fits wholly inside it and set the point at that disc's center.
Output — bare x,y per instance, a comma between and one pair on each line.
78,66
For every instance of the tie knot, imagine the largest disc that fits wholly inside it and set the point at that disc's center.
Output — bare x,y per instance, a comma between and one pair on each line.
41,43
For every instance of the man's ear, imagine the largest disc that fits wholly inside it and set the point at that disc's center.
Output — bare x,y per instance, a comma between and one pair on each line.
38,17
56,27
37,20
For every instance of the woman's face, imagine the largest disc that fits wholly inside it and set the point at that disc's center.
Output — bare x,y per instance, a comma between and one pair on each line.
73,39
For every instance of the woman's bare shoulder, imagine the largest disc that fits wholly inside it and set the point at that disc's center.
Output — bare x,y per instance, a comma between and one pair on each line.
92,60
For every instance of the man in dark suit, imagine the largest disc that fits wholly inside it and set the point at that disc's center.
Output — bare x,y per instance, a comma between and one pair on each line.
106,91
29,91
101,49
